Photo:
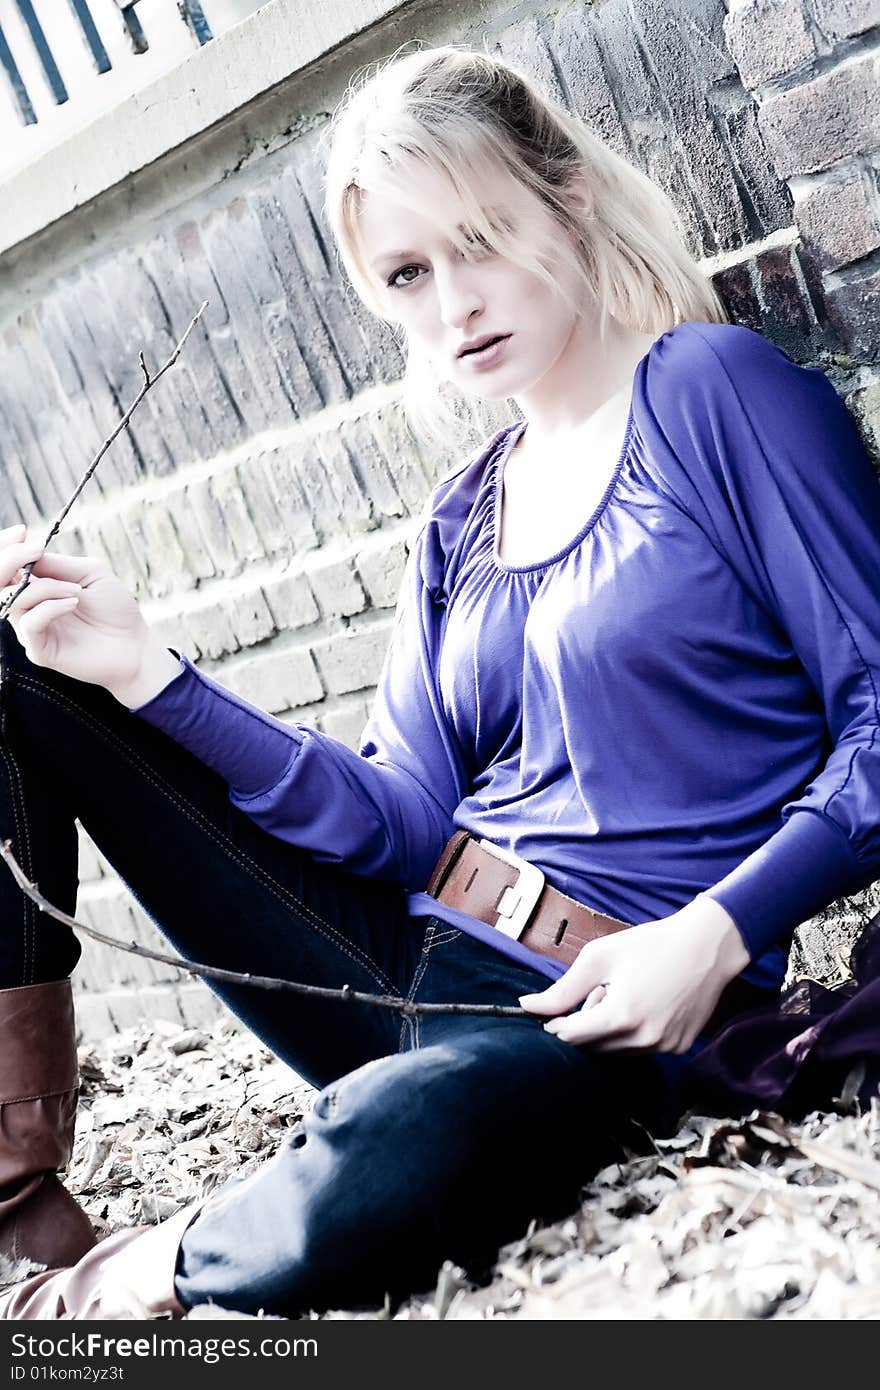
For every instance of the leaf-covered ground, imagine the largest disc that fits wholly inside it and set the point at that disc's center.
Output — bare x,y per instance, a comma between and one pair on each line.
756,1219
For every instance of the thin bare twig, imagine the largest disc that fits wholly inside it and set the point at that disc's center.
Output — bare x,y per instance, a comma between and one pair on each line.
149,381
345,995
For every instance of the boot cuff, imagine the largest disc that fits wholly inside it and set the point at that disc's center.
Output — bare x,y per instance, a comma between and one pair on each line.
37,1041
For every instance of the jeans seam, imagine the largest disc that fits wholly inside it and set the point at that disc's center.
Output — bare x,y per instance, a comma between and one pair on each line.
412,1024
432,939
25,851
447,936
232,851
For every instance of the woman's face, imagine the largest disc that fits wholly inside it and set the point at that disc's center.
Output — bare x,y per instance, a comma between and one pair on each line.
449,303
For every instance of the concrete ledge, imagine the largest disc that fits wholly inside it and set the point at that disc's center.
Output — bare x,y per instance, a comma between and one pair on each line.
101,1015
273,45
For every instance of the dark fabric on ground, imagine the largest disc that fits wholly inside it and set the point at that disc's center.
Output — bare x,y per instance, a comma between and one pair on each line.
802,1053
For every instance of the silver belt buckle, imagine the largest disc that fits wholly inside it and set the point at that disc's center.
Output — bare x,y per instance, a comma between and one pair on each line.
519,900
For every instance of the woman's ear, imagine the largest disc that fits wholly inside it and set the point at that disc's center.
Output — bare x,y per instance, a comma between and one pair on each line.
580,193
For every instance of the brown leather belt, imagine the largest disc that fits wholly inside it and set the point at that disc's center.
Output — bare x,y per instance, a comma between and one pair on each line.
506,892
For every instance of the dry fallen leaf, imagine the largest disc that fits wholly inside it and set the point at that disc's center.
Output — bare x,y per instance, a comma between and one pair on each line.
753,1218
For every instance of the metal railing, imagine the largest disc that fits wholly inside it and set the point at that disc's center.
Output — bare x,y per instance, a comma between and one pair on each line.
191,12
64,62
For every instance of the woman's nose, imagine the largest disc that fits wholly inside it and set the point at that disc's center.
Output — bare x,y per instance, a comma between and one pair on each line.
458,297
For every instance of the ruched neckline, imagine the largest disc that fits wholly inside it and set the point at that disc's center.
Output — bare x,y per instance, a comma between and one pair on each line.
497,494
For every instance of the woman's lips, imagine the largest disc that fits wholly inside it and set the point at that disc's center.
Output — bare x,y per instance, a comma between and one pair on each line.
485,357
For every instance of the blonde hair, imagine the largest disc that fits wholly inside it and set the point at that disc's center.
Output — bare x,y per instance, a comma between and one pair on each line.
465,115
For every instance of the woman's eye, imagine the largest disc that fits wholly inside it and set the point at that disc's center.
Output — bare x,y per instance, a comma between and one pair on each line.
393,279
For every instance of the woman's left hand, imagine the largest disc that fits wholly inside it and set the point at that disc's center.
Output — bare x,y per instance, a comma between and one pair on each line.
652,986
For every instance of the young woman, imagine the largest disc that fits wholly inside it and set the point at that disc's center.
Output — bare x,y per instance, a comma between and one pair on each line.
632,684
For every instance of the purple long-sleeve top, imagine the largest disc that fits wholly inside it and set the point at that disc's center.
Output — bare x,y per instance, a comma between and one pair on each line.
683,699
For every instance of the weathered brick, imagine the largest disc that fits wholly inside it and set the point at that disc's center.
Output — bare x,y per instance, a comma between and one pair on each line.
69,541
346,723
198,1004
842,19
401,455
189,533
276,680
768,38
102,967
338,590
124,557
343,503
211,266
291,601
172,632
326,381
78,431
372,467
210,632
251,617
771,293
175,260
366,347
282,469
865,406
131,521
19,500
231,238
262,502
838,221
102,1015
46,481
233,507
115,350
200,497
382,569
811,127
854,312
272,323
93,1017
688,124
143,327
352,661
578,72
522,42
54,443
98,403
736,288
164,555
187,405
787,319
131,1009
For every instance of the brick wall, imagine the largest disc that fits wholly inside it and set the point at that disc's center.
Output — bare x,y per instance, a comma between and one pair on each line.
262,502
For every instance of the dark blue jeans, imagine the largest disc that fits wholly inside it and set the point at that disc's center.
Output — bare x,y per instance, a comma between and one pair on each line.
431,1139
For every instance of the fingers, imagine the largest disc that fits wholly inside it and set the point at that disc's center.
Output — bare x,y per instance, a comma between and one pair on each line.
39,590
14,557
565,1027
35,623
599,1023
76,568
572,988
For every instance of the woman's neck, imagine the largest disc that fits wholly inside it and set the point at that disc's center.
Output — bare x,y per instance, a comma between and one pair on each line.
585,375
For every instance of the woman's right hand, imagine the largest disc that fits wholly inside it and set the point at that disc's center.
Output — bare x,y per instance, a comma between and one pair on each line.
76,617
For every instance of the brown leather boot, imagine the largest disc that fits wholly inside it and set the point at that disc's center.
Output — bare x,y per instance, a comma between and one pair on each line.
39,1085
130,1275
